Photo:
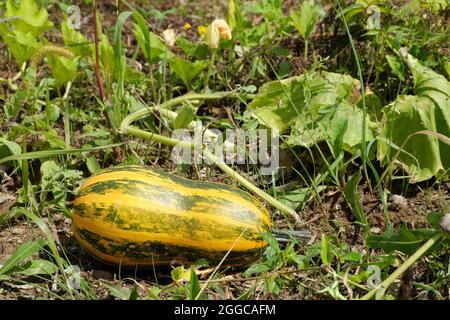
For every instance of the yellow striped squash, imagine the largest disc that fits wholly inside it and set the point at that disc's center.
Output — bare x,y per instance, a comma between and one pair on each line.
139,216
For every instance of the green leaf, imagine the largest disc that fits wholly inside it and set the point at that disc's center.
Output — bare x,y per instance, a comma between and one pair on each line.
352,256
63,69
194,285
305,22
107,59
296,199
316,106
180,274
78,44
192,49
134,295
151,45
418,127
38,267
397,66
256,269
353,198
280,103
119,292
184,117
22,44
272,284
406,241
325,250
187,70
49,169
119,64
353,10
435,219
22,253
92,164
447,67
8,148
28,17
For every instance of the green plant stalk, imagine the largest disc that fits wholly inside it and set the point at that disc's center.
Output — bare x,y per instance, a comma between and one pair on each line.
171,115
405,266
134,131
53,153
363,95
97,56
306,49
66,119
25,182
208,74
152,82
126,128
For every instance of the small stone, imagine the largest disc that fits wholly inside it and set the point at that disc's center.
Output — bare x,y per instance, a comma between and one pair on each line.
102,274
399,201
17,230
445,223
375,230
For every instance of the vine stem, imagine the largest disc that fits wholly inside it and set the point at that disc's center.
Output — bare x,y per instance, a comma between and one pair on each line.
305,54
250,186
127,128
405,266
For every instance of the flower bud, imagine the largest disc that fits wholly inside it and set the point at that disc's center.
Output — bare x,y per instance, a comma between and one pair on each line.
217,29
169,37
212,37
224,29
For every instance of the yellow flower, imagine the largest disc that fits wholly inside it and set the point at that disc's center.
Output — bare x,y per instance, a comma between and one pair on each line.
217,29
187,26
224,29
202,30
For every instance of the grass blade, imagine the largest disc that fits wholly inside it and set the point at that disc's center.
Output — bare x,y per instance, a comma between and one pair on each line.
22,253
353,198
52,153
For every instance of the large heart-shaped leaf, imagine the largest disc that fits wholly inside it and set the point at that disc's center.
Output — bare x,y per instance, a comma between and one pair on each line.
316,106
417,126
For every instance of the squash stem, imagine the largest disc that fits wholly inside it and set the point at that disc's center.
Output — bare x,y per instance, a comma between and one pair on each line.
250,186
